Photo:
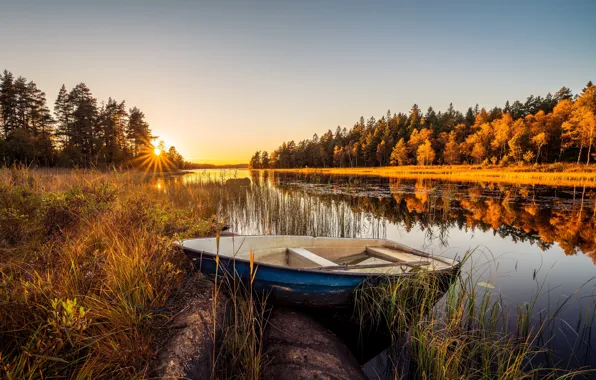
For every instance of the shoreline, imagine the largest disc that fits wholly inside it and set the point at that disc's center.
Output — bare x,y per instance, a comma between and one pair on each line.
548,174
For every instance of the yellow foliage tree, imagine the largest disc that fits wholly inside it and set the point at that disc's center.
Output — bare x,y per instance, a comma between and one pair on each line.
579,130
399,155
539,140
418,138
451,153
502,134
425,154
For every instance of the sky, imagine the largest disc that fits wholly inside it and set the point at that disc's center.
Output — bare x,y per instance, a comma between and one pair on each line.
220,80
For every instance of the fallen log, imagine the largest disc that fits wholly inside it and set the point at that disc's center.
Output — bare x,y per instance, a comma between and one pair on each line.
298,347
184,347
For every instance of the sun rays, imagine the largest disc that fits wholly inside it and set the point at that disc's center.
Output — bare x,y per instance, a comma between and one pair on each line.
154,159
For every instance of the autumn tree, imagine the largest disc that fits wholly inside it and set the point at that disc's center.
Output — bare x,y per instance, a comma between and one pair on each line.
399,155
425,154
539,141
451,153
518,143
502,129
583,119
418,138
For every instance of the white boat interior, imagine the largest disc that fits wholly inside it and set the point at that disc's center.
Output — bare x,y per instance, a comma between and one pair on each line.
375,256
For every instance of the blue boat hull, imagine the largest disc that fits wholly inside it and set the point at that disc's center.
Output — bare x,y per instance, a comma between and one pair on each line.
295,286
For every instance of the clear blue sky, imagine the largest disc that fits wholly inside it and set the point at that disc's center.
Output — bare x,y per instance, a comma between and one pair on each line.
220,80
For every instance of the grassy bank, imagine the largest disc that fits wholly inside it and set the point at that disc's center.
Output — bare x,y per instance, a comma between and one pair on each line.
86,262
549,174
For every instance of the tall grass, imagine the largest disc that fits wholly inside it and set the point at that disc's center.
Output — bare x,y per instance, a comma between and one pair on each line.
240,352
459,331
85,260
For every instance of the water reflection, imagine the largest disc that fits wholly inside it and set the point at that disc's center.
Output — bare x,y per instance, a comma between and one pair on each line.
538,215
533,239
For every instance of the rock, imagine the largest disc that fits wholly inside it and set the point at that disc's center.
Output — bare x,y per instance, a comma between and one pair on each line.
298,347
184,347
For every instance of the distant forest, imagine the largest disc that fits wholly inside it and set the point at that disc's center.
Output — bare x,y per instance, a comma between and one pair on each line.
554,128
79,132
193,165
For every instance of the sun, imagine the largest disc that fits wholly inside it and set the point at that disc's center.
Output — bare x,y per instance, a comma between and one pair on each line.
153,157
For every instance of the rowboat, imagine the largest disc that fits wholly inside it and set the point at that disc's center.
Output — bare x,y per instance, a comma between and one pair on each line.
312,271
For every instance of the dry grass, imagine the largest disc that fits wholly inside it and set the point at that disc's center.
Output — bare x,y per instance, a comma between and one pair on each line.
86,259
549,174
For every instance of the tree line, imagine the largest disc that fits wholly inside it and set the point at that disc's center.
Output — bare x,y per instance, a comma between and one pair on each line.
79,131
553,128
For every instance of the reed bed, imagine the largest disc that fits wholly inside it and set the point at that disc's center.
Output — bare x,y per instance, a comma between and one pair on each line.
463,330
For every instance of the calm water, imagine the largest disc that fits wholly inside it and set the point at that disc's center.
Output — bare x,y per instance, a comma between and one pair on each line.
527,240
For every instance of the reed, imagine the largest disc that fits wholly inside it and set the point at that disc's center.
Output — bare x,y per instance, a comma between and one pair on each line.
460,331
239,353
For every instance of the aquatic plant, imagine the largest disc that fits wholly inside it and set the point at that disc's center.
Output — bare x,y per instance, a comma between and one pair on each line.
460,330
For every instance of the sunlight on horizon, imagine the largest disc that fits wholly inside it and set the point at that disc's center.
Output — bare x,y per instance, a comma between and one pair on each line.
153,159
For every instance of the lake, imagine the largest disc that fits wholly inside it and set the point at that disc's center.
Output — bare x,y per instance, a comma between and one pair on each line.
529,243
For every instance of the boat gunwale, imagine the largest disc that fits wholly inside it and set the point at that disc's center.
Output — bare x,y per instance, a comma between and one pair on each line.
452,266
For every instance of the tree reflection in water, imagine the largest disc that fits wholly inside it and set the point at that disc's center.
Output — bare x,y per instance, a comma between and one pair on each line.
540,215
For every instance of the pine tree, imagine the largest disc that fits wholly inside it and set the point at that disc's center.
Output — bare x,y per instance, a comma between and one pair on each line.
85,139
470,117
63,109
415,119
7,102
265,160
113,121
563,94
138,132
507,108
255,161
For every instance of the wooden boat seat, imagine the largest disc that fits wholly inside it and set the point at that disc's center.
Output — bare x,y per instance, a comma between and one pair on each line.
393,255
302,258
